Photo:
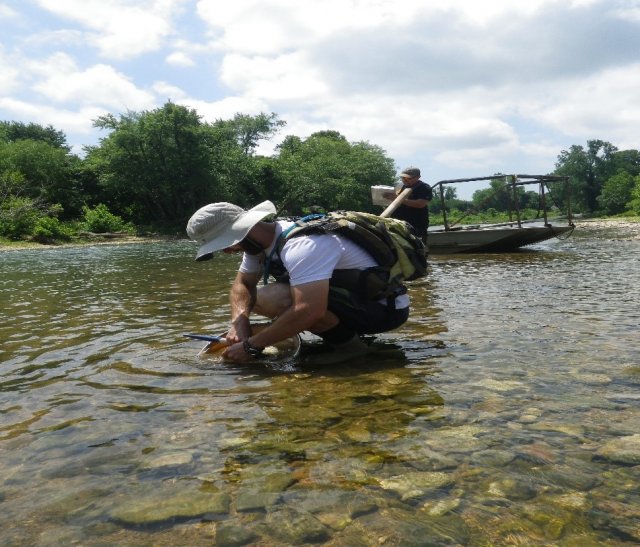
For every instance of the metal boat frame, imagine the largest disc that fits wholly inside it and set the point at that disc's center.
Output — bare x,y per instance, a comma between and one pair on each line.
505,236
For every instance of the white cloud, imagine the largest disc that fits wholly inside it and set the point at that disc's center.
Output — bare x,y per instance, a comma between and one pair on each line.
630,12
9,73
408,126
61,81
456,82
7,12
179,58
168,91
283,78
604,105
77,121
224,109
57,64
277,26
119,28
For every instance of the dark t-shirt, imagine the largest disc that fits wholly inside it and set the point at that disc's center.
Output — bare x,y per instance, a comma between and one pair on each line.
418,218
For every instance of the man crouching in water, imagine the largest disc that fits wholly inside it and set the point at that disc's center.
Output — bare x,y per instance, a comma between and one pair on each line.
306,300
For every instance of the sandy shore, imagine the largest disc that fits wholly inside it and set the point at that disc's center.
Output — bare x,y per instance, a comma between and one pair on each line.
629,227
608,222
21,245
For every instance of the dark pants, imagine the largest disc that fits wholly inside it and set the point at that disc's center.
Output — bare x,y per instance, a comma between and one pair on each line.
365,316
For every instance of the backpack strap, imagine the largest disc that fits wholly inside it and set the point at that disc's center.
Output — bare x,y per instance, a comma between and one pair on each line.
281,240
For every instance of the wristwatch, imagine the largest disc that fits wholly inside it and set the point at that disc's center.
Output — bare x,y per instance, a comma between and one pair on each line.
251,350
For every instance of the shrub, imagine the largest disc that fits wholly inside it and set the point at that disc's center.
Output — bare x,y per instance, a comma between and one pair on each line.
50,229
18,217
101,220
634,204
616,193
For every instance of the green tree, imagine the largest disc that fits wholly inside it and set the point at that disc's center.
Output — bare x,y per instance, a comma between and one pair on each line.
627,160
634,204
530,200
245,178
450,193
48,172
327,172
159,166
616,193
497,196
451,201
17,131
589,169
250,130
153,165
22,216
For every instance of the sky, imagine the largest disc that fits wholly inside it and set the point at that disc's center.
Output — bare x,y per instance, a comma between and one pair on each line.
458,88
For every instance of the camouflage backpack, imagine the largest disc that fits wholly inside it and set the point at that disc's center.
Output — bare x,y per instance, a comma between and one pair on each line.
400,254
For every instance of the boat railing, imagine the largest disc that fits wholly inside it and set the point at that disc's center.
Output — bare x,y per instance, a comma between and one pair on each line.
512,182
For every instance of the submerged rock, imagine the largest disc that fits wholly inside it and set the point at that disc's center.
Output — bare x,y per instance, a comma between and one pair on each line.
500,385
295,528
170,459
415,485
594,379
493,457
618,519
254,500
623,450
573,477
457,439
229,535
572,430
398,526
183,505
512,489
441,507
571,501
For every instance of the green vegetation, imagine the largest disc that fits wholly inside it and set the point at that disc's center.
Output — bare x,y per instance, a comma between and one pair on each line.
154,168
100,220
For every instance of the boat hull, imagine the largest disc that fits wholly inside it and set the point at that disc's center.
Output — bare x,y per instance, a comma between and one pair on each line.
490,239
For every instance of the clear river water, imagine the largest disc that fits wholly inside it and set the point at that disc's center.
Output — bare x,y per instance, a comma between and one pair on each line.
505,412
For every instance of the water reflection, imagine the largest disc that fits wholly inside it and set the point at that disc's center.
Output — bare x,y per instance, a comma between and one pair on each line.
505,411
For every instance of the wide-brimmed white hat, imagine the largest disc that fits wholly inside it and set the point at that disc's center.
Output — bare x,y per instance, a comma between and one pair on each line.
220,225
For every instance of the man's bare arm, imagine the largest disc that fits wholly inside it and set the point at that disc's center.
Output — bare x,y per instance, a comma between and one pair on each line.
242,299
308,311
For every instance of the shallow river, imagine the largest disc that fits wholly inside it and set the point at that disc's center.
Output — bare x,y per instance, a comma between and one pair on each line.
505,412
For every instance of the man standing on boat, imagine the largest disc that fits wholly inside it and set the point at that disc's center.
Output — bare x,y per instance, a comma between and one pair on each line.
414,209
305,301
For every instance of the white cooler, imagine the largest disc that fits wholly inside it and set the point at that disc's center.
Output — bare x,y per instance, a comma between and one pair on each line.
377,197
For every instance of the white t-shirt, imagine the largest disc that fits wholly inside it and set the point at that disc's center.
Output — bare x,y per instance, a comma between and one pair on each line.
314,257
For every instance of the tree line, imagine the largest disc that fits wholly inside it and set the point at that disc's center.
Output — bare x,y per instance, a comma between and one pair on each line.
153,169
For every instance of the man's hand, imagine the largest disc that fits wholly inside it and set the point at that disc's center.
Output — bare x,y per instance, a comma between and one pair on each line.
235,352
240,330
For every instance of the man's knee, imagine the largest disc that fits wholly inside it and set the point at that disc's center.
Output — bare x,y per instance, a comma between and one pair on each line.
273,299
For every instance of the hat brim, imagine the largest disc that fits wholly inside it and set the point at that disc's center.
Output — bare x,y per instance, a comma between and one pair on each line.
237,231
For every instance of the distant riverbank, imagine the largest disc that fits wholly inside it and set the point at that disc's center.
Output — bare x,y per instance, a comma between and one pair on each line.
97,239
632,224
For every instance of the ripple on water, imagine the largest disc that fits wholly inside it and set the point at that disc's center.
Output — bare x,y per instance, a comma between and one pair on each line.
504,411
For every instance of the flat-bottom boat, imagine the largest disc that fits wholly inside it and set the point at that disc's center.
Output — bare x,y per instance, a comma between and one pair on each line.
492,237
450,238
